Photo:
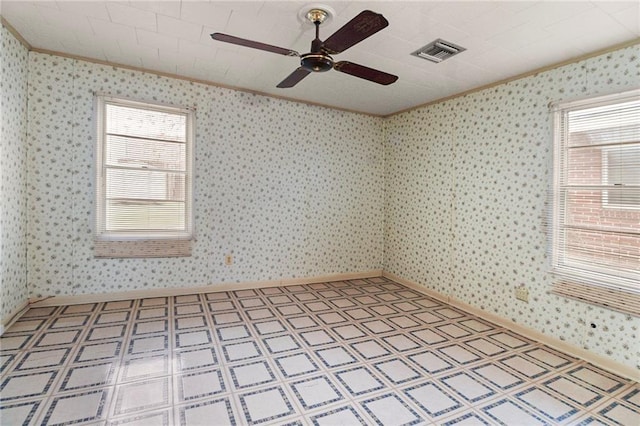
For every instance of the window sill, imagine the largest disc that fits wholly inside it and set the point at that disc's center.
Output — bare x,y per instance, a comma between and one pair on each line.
142,248
615,299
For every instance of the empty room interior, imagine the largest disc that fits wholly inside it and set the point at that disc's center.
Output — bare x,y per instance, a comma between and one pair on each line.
320,213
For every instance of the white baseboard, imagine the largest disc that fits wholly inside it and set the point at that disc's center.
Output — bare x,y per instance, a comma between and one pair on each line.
595,359
8,320
168,292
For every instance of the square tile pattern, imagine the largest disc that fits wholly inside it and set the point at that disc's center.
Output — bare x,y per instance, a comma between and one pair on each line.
367,351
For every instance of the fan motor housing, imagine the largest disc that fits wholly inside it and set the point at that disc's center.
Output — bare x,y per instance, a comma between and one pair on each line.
316,62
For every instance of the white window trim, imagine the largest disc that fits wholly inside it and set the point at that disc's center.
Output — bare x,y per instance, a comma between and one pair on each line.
100,206
623,286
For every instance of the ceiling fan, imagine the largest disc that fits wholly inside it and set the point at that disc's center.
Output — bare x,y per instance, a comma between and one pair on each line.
364,25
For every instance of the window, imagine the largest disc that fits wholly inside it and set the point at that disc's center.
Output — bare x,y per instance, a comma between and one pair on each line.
596,201
144,175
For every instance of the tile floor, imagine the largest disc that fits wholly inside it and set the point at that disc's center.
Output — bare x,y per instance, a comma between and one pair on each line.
350,352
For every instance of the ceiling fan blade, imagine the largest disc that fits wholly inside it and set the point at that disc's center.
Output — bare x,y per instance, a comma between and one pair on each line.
293,78
253,44
366,24
367,73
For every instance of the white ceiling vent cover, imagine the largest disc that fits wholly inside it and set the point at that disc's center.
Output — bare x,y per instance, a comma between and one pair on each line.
438,50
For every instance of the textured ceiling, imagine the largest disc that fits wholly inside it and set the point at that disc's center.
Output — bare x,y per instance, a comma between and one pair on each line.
503,39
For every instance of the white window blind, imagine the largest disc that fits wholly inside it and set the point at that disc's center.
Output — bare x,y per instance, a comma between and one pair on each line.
596,201
143,174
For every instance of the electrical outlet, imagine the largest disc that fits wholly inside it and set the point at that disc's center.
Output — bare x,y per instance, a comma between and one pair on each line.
522,293
228,260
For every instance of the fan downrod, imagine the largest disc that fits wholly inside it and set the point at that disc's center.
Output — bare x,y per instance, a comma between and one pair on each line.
317,60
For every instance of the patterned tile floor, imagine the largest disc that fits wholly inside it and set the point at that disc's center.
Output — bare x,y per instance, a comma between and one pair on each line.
349,352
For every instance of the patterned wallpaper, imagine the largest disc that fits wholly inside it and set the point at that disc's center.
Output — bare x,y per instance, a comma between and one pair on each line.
290,190
452,195
466,187
13,177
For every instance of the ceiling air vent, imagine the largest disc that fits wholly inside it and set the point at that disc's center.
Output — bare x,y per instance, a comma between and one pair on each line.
438,50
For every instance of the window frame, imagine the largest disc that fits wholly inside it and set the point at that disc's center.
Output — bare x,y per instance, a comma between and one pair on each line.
101,234
564,270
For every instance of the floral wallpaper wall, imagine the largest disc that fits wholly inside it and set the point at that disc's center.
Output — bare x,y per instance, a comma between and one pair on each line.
451,196
467,182
13,174
289,190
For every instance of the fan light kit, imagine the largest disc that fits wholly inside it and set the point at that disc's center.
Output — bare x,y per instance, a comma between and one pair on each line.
319,59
